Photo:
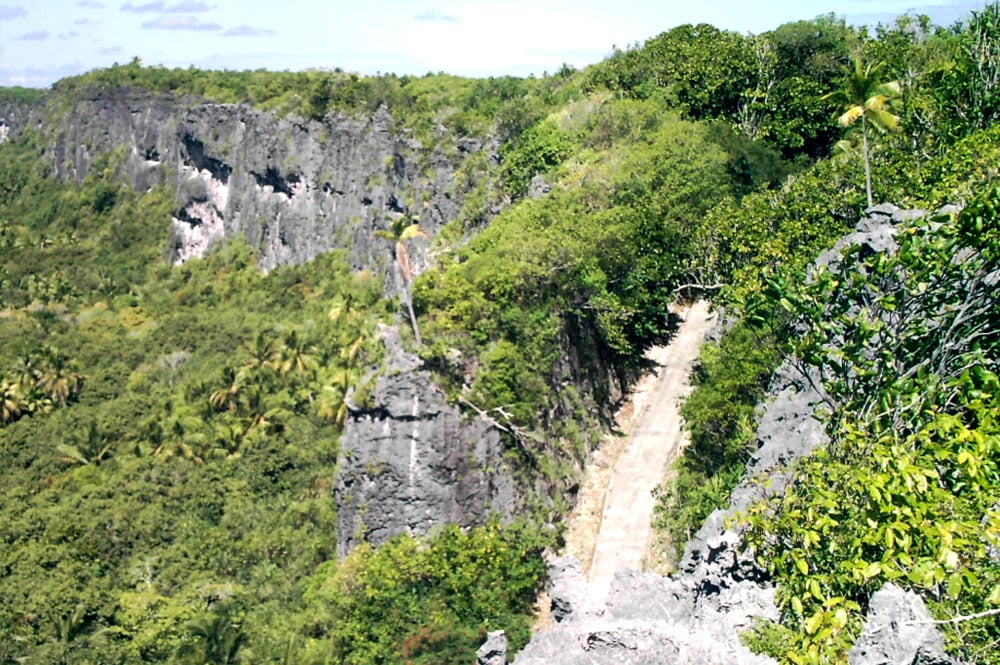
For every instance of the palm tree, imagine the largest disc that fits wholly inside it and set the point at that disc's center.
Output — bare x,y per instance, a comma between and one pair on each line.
215,640
294,355
227,398
93,448
11,404
58,377
868,99
262,352
333,403
176,431
404,229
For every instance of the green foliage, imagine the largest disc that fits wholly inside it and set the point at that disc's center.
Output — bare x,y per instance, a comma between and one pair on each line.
767,86
433,600
596,262
539,149
20,95
169,433
969,91
424,104
907,490
178,453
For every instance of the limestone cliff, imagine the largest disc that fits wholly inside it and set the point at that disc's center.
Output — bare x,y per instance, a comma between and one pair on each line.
295,188
412,460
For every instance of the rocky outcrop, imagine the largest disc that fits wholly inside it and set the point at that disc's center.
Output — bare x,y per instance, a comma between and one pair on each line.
294,187
411,460
645,618
494,649
18,117
899,631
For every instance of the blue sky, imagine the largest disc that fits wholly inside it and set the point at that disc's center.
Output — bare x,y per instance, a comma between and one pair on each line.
42,41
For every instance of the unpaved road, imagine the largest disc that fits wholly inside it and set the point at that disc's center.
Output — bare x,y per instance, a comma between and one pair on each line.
630,470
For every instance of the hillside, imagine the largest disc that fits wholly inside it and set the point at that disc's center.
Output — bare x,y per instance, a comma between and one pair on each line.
305,367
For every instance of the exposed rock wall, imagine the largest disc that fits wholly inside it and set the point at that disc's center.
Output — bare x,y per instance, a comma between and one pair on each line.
17,117
295,188
411,460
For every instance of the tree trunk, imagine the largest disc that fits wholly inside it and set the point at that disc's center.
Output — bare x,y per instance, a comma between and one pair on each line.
868,161
408,298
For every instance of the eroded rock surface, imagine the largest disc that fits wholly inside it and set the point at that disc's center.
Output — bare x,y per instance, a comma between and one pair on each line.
899,631
294,187
411,460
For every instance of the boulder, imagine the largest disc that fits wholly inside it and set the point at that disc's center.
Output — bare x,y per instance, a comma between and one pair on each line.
494,649
899,631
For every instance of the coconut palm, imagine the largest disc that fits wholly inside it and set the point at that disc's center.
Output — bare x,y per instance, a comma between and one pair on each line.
93,448
11,403
176,431
214,640
58,377
867,98
227,398
402,230
295,355
333,404
262,353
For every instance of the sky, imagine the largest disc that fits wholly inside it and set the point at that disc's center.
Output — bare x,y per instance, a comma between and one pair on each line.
42,41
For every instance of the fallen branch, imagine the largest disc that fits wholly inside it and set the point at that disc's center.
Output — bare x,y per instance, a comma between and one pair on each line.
701,287
519,434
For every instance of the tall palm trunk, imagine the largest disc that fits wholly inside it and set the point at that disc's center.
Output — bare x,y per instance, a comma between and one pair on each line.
868,161
408,299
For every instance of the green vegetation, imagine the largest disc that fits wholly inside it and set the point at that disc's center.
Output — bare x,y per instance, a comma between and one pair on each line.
170,434
592,264
441,597
907,490
907,403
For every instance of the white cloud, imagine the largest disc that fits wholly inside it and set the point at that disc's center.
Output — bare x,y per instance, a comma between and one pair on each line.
34,36
160,7
248,31
438,16
180,23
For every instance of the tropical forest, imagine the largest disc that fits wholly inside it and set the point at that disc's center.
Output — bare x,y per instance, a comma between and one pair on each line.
308,367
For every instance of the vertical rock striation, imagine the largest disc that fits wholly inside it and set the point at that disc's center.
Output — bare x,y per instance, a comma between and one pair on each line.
295,188
411,460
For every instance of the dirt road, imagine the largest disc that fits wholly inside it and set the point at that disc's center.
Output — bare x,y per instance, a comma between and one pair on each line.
624,529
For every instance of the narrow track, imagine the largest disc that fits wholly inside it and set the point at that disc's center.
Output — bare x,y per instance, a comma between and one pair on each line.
625,529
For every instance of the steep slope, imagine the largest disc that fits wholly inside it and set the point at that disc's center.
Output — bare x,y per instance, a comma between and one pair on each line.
721,590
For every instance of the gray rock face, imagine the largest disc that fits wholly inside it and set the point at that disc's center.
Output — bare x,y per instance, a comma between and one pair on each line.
568,589
17,117
899,631
494,649
411,460
645,619
295,188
